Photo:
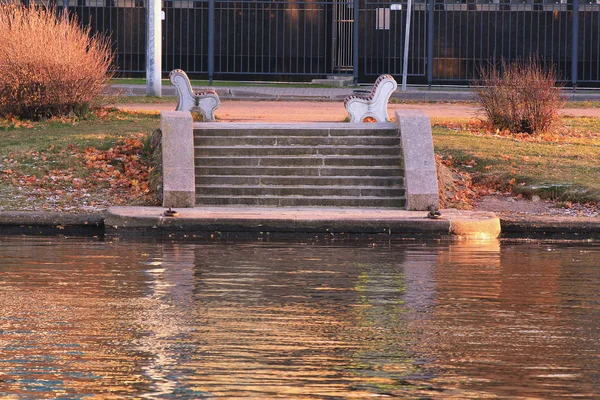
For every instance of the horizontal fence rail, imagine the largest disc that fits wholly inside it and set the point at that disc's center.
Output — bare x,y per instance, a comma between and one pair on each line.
449,42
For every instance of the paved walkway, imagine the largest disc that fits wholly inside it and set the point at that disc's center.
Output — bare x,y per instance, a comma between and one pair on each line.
273,104
317,111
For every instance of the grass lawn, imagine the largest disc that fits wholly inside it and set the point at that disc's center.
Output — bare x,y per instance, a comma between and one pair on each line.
582,104
75,164
563,167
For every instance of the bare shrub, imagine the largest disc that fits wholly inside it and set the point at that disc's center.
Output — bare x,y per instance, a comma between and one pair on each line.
522,97
49,65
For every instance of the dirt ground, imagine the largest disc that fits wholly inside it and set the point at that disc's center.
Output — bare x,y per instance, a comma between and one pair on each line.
321,111
311,111
328,111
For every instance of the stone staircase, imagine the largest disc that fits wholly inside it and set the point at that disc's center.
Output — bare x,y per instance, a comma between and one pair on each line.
326,165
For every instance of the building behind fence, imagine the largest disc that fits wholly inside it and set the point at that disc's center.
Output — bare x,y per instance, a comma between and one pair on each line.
298,40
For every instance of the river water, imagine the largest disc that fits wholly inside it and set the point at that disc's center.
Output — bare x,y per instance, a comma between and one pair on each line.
149,319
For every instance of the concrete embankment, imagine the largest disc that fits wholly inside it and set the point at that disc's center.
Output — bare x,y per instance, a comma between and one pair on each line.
51,223
237,222
232,222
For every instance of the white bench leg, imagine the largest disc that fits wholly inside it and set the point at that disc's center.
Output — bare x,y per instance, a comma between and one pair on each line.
357,110
207,107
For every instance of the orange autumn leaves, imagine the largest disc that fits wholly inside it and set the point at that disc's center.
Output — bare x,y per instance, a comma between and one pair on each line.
119,175
121,168
461,190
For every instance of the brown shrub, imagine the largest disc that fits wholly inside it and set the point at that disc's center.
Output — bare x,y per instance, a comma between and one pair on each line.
49,65
521,97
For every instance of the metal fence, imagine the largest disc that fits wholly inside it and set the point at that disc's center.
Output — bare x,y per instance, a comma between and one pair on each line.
302,39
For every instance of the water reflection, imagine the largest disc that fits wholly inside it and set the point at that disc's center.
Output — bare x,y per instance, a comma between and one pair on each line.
513,325
63,321
202,320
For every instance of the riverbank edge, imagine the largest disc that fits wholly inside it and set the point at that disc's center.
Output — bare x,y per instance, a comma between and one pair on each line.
192,223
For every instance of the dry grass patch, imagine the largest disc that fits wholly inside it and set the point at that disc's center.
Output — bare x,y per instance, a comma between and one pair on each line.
563,166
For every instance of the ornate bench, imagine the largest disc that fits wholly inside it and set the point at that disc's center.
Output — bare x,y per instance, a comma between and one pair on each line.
371,104
206,101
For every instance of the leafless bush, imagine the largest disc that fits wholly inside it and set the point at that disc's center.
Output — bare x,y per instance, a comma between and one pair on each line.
49,65
521,97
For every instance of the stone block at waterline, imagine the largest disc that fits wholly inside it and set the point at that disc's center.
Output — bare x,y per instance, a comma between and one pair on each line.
419,160
178,159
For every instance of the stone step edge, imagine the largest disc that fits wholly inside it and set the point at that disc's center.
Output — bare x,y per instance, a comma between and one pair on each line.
218,196
279,170
316,126
340,187
383,133
204,136
295,147
359,177
309,180
295,156
360,167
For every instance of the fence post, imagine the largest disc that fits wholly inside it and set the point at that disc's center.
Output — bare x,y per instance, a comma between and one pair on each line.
355,41
406,45
430,8
211,41
575,44
154,48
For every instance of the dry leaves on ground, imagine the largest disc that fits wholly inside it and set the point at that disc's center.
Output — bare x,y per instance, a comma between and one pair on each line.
98,178
479,127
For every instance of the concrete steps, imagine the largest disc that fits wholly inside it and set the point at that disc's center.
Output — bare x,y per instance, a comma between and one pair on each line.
324,165
282,161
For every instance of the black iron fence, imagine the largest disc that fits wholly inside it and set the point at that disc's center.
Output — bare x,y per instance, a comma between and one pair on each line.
302,39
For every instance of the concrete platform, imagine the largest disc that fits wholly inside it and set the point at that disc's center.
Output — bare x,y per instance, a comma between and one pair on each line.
231,222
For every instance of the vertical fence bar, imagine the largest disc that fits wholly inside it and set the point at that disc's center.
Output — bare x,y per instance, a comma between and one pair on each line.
355,41
211,41
575,43
406,44
154,49
430,9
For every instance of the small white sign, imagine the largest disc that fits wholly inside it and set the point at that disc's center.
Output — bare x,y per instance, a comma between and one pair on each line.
396,7
162,15
382,18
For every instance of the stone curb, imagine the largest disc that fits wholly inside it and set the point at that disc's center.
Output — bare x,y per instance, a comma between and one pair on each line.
51,223
232,222
550,227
